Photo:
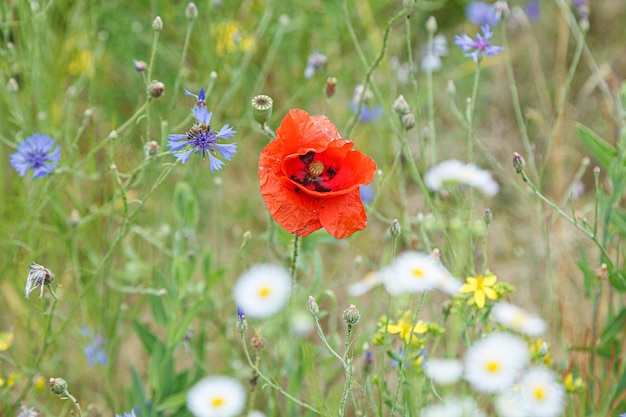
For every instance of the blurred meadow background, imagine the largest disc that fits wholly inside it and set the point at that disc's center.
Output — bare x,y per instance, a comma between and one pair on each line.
146,251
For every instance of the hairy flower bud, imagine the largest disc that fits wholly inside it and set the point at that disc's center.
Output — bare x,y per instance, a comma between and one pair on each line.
395,229
156,89
331,87
488,216
312,306
191,12
408,121
351,315
431,24
157,24
140,66
400,106
518,162
58,386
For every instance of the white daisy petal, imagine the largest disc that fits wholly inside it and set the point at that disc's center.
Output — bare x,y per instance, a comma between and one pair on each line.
541,393
262,290
453,171
517,319
443,371
493,363
216,396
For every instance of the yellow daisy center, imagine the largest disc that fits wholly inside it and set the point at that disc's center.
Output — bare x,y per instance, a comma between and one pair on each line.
264,292
418,273
492,367
217,402
539,393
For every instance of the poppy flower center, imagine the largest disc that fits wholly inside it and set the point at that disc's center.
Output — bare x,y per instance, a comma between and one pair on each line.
312,173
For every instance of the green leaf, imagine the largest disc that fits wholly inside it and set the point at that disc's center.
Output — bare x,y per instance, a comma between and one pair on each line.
148,339
173,402
180,328
601,150
138,396
616,325
589,275
158,312
186,204
618,280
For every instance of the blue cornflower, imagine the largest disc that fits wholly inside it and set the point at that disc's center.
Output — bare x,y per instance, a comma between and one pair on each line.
201,97
367,114
95,351
201,139
36,152
367,193
315,62
481,44
131,414
481,13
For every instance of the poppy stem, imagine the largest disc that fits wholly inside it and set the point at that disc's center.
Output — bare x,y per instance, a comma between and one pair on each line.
294,259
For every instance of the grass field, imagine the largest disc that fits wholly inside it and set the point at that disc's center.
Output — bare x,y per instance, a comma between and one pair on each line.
179,276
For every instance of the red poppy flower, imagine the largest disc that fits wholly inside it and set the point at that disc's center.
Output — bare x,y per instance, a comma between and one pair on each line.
310,177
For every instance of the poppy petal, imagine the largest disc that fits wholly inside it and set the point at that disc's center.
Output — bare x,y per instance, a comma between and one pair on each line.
343,215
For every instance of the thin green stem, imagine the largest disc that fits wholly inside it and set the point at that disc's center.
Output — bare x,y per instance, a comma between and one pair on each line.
432,133
293,261
355,117
405,359
470,114
270,382
517,108
591,235
183,58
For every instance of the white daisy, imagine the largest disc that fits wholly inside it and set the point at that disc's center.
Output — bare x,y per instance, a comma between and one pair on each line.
453,171
509,404
262,290
412,272
453,407
493,363
216,396
370,280
443,371
449,284
541,393
517,319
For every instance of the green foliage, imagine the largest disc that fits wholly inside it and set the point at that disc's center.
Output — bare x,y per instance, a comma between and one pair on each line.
146,250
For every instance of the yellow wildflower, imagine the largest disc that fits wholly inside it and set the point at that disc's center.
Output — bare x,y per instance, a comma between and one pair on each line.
482,287
573,385
6,338
405,328
229,39
40,383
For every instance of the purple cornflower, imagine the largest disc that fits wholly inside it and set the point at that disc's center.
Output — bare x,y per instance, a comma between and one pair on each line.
36,152
481,14
533,9
38,276
95,351
27,412
480,43
201,97
314,63
201,139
